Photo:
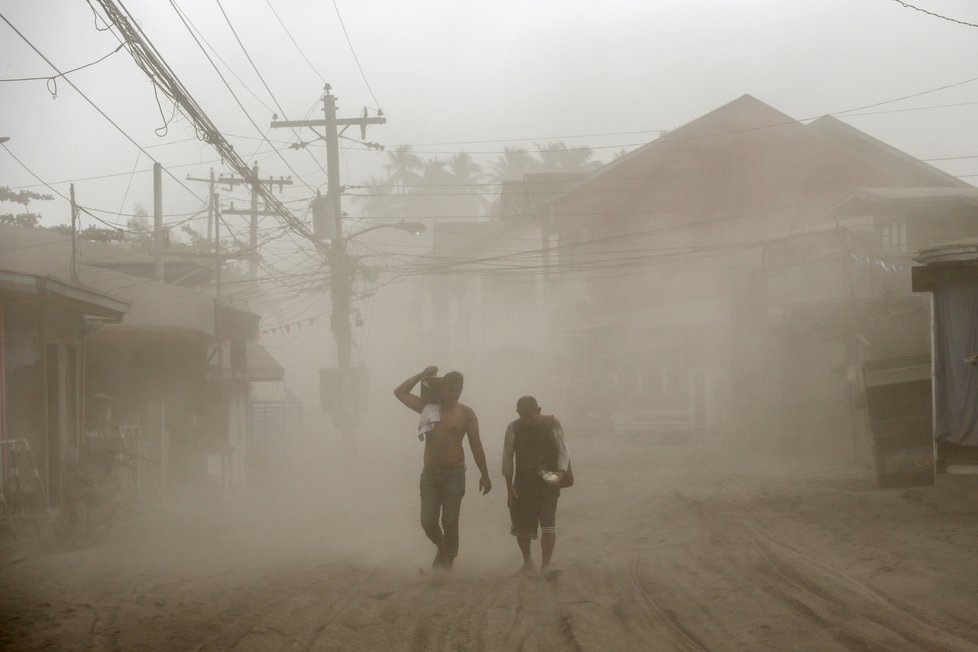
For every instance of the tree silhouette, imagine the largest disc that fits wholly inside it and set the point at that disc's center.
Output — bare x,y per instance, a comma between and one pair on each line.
24,198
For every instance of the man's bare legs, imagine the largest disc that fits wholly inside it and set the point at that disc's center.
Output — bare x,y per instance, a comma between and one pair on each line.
547,543
524,543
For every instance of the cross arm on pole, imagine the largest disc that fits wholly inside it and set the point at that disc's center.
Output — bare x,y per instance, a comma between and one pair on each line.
246,211
322,123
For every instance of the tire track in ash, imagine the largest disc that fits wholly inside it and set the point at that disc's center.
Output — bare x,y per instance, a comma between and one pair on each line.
683,638
474,618
760,533
851,612
539,618
107,626
243,617
889,616
340,603
451,623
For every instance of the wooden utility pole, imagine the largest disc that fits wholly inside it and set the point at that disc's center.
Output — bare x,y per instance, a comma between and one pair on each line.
210,203
253,248
341,267
232,181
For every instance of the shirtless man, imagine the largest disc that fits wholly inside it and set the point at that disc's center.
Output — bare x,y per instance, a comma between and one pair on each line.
443,476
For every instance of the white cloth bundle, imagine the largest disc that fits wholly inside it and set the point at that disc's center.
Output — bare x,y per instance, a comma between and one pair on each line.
430,415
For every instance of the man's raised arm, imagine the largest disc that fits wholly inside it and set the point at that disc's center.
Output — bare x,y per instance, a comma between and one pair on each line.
403,391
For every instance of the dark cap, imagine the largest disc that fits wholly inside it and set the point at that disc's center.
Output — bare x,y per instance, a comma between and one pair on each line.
527,403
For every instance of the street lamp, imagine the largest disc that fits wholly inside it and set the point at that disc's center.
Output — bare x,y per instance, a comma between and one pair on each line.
414,228
342,272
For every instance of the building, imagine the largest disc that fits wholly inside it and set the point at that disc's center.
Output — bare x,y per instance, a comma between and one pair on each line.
170,381
678,238
46,310
949,272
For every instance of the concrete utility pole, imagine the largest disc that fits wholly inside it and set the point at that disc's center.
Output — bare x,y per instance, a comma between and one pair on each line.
341,267
74,236
254,212
158,236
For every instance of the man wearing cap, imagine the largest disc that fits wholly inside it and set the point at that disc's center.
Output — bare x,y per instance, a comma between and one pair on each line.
536,443
443,476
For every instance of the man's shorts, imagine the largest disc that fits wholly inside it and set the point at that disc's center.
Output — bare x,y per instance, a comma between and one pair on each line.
535,505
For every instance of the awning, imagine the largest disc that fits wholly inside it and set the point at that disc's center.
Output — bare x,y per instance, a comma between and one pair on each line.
949,252
85,300
259,365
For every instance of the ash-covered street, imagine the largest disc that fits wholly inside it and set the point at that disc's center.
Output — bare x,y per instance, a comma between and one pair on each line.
681,546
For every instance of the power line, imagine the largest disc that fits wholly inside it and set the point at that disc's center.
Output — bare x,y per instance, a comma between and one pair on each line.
186,22
152,63
228,66
268,2
487,184
95,106
132,176
58,192
847,114
254,67
842,113
66,72
355,57
935,15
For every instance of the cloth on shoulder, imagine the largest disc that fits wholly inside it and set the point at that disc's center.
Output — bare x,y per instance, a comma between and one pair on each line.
430,415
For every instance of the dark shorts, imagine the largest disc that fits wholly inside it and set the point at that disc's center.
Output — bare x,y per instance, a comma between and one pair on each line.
535,505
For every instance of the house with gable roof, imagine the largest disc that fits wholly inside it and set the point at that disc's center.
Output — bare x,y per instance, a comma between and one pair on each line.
673,235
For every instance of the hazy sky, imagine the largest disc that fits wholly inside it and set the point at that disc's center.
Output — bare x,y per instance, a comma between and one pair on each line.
457,72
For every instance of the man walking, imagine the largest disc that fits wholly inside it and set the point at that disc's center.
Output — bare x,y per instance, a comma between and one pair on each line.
537,444
443,476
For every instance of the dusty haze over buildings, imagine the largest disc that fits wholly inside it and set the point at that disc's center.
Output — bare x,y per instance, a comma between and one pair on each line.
475,76
711,248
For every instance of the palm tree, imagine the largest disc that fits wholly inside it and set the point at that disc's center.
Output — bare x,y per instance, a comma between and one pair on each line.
557,157
433,174
467,174
512,164
403,166
427,199
380,199
463,169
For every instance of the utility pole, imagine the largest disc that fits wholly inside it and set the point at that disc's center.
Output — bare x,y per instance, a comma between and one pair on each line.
158,238
253,248
232,181
210,203
341,267
74,236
